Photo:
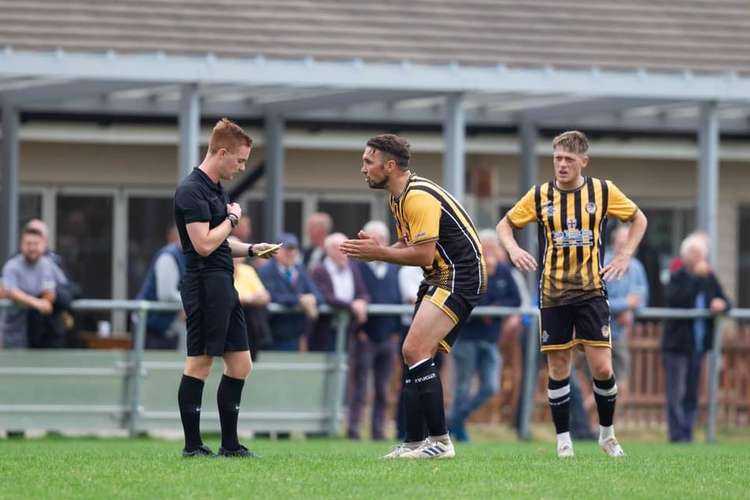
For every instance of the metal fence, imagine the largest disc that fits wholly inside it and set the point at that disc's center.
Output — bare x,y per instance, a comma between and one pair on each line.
328,371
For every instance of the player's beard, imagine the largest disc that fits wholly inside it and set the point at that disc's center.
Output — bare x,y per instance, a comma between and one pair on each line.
378,185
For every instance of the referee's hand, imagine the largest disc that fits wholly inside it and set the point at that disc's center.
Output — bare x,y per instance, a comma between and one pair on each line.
234,208
265,250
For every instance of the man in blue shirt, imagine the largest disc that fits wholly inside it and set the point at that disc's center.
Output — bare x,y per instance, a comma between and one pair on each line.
626,295
477,352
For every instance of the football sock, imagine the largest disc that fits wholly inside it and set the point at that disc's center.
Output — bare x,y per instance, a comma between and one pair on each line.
605,394
426,380
189,398
558,392
228,401
416,430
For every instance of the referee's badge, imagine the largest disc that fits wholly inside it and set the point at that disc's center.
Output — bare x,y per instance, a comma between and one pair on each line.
605,331
591,207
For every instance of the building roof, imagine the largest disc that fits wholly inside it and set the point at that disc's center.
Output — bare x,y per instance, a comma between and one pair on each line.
661,35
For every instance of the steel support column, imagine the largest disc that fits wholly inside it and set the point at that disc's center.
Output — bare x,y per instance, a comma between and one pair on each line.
274,146
189,121
528,136
708,175
9,182
454,136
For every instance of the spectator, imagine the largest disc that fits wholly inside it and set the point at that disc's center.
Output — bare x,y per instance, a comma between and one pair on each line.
476,351
375,346
29,281
254,298
289,285
626,295
340,283
319,225
162,284
693,286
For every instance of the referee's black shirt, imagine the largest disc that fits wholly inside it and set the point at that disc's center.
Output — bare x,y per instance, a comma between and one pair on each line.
199,199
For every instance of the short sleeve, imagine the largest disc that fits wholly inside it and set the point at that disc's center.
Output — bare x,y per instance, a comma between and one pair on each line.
422,212
10,276
524,211
49,278
192,206
619,206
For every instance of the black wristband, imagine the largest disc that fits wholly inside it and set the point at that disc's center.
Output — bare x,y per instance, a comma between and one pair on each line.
250,252
233,220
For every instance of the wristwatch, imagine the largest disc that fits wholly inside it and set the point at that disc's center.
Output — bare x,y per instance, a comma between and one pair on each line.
233,220
250,252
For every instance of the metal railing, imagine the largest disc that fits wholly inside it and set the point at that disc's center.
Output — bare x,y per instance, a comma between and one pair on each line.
142,308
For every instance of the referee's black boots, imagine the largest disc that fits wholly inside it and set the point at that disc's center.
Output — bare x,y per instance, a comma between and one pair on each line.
239,452
201,451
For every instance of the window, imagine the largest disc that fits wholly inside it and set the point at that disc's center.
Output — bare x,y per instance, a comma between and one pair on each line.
84,241
292,217
667,227
29,207
149,219
744,256
348,216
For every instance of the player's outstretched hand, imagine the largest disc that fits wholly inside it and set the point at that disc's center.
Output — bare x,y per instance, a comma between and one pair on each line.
265,250
365,248
616,268
522,260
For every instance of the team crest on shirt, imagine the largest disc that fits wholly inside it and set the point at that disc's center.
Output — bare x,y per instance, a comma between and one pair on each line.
591,207
572,224
545,336
605,331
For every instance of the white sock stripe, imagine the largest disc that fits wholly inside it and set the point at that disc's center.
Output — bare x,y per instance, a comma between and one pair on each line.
558,393
606,392
419,363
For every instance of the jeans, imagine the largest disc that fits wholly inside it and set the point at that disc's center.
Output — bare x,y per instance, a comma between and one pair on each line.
285,345
470,357
682,377
378,357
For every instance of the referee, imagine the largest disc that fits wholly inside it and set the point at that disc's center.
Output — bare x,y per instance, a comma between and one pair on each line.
215,321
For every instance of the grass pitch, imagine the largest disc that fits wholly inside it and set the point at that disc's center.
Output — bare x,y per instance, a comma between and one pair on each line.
147,468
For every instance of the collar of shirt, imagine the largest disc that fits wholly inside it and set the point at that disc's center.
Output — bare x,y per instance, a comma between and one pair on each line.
342,279
379,269
216,186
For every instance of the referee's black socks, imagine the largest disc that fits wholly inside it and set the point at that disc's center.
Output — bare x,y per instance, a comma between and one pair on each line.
558,392
428,390
228,401
189,397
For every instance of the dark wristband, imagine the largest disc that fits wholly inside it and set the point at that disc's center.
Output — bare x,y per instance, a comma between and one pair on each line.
250,252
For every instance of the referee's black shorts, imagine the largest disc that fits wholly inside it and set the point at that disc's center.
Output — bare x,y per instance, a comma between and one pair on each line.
215,320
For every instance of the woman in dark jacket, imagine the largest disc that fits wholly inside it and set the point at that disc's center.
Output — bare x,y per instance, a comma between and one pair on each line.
693,286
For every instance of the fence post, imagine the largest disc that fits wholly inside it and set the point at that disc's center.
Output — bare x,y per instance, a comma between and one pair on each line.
528,385
714,370
339,374
136,365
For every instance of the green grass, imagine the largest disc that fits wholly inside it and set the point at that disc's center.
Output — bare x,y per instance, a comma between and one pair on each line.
149,468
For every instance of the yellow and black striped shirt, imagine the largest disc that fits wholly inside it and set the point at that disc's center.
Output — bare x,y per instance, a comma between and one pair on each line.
424,212
570,225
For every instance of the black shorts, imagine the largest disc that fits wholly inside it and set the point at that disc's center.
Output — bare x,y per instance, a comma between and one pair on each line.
564,327
215,320
456,305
